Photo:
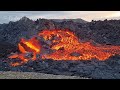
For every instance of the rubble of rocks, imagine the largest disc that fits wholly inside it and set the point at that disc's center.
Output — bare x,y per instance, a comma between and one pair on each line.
109,69
103,32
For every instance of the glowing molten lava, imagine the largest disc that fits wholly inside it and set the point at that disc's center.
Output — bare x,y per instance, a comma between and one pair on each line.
64,46
25,46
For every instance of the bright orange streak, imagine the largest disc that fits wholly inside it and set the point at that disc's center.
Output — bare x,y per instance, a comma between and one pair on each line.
15,64
14,56
21,48
32,47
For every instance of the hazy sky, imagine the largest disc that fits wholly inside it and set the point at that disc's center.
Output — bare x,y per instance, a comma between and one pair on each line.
6,16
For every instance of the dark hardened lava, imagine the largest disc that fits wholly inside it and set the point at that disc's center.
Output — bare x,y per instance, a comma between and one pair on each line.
109,69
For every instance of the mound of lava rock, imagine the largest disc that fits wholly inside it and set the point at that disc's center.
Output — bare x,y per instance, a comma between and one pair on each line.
109,69
103,32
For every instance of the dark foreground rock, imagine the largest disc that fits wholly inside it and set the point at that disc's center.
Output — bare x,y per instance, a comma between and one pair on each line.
109,69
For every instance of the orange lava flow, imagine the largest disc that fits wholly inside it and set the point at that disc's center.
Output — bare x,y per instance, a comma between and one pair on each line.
26,46
64,44
71,44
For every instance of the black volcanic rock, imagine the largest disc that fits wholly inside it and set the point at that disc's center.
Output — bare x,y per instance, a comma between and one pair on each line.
109,69
6,48
75,54
13,31
103,32
107,31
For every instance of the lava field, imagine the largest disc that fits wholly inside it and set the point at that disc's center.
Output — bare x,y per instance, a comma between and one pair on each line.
43,48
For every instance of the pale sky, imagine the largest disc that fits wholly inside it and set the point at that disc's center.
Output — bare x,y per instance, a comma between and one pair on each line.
6,16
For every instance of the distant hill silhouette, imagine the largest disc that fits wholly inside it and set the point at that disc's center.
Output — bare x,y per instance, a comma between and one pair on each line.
74,20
